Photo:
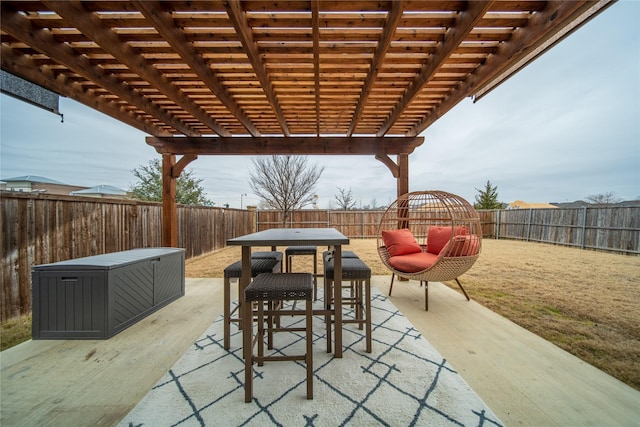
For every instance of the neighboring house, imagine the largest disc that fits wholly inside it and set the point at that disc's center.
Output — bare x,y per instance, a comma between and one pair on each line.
38,184
101,191
519,204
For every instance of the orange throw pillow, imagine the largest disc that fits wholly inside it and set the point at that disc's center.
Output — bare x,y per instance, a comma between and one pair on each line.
438,237
400,242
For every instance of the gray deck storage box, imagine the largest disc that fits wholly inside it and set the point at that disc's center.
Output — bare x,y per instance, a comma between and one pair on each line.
96,297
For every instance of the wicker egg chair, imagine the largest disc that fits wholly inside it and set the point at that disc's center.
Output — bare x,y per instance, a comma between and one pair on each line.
447,232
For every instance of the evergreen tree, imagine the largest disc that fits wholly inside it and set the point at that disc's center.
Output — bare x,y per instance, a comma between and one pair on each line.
487,198
149,186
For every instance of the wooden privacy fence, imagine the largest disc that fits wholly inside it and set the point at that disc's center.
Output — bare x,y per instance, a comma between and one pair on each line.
41,229
355,224
614,229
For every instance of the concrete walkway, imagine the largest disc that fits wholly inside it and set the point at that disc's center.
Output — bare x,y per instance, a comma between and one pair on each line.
523,378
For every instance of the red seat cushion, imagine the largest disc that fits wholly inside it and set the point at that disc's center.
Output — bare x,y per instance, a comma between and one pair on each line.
400,242
438,237
412,263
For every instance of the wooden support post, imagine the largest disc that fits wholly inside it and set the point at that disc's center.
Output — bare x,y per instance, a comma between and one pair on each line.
403,188
403,174
169,206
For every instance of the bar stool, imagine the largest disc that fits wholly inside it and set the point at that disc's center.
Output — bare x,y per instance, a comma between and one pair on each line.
359,274
292,251
273,288
267,254
345,254
234,271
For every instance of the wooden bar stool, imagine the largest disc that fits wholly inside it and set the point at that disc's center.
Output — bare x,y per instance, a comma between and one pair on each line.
359,274
267,254
272,288
234,271
292,251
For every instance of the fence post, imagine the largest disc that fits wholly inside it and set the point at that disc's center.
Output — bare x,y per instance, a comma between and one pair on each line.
529,224
498,225
584,227
254,225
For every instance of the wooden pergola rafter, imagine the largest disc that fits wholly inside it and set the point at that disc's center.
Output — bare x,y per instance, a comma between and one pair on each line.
308,77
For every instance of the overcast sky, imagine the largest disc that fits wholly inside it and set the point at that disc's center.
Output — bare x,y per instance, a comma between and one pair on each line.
565,127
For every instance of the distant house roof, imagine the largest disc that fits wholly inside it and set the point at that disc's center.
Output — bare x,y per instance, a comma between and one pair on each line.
576,204
33,178
106,190
582,204
519,204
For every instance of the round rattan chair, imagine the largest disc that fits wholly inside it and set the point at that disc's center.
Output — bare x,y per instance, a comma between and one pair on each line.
447,232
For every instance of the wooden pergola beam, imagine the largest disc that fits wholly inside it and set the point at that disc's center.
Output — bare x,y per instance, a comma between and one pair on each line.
465,23
17,63
244,33
523,42
315,29
393,18
91,26
43,41
166,26
285,145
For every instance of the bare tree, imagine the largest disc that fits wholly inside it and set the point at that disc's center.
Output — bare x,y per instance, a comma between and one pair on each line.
345,199
285,183
603,199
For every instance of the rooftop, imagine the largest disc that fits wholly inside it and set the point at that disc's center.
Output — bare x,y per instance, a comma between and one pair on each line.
32,178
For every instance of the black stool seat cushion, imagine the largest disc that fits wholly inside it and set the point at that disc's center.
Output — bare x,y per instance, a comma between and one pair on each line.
301,250
345,254
258,266
352,269
280,286
267,254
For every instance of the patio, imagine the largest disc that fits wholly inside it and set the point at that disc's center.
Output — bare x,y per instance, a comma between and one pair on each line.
521,377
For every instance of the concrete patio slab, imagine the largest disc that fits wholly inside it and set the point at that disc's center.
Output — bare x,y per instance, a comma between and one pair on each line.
523,378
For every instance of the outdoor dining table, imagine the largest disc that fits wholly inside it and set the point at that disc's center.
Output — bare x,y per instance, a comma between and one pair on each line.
298,237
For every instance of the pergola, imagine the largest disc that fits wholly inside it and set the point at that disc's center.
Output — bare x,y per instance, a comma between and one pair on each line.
309,77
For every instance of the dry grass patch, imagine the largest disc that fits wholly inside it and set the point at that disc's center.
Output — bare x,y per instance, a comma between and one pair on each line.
15,331
583,301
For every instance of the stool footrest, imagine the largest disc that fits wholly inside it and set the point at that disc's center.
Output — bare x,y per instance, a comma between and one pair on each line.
261,359
280,286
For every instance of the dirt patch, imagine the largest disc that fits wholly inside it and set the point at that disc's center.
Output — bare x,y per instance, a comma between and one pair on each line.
585,302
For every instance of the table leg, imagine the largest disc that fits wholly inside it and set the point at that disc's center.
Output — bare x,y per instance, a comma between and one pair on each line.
243,282
337,287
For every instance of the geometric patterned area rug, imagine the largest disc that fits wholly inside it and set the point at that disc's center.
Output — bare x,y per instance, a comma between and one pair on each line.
403,382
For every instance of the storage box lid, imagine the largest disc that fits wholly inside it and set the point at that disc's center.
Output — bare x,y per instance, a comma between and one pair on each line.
108,261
